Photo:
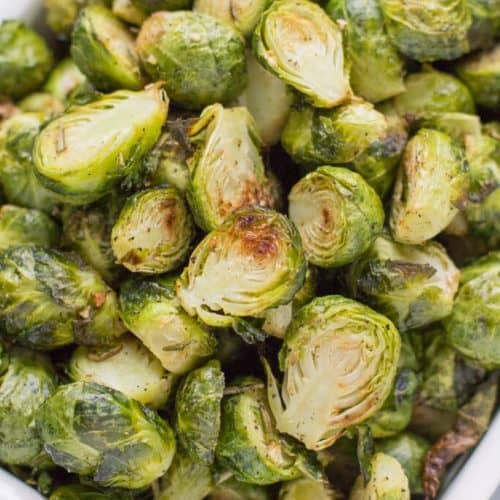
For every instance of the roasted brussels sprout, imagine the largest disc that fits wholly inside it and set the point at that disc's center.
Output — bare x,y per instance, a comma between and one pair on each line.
201,59
87,492
48,299
484,219
127,11
412,285
40,102
151,6
85,153
325,340
231,489
337,214
485,23
25,59
153,232
302,488
263,248
301,45
21,226
427,30
104,50
29,380
431,186
127,367
92,430
152,312
227,171
462,127
324,137
66,81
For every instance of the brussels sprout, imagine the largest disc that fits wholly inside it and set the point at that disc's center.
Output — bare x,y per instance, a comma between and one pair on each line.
486,263
409,450
93,430
388,481
65,81
232,489
412,285
326,339
297,41
127,367
492,129
249,445
201,59
152,312
20,226
481,73
462,127
431,186
153,232
197,412
128,12
83,154
485,23
87,492
369,50
227,171
484,219
473,328
300,489
25,59
48,299
40,102
27,383
337,214
151,6
104,50
427,30
263,248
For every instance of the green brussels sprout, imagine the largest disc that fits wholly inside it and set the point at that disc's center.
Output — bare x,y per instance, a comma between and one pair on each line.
263,248
153,232
201,59
151,6
481,73
104,50
322,137
40,102
29,380
484,219
485,23
65,81
337,214
427,30
432,184
25,59
87,492
127,367
297,41
302,488
249,445
486,263
21,226
48,299
152,313
409,450
473,328
461,127
96,431
197,412
85,153
270,109
412,285
369,50
231,489
227,171
128,12
388,481
17,176
324,342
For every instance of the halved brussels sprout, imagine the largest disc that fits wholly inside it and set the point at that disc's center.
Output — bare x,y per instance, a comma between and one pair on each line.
485,23
231,489
48,299
151,6
96,431
21,226
302,488
65,81
481,73
252,262
323,137
201,59
197,412
104,50
127,11
461,127
483,264
86,152
227,171
412,285
337,214
431,186
484,219
29,380
427,30
249,444
127,367
388,481
152,313
370,52
301,45
87,492
40,102
25,59
325,342
153,232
